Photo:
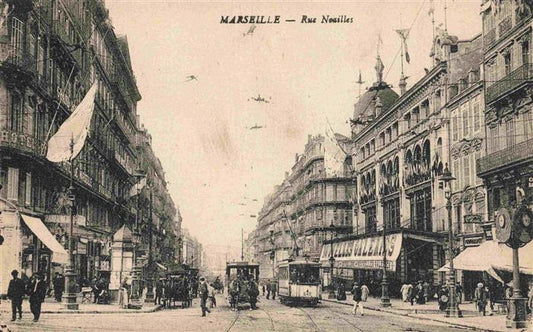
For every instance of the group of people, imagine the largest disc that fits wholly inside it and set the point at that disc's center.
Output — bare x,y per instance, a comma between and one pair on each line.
418,293
271,289
244,288
35,289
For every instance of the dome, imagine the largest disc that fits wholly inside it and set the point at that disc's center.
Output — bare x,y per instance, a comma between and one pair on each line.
365,106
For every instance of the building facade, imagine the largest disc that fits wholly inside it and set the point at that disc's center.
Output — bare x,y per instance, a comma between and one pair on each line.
401,145
302,211
50,54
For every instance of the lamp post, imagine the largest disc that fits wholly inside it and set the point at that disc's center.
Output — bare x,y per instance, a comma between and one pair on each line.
385,299
136,284
273,250
70,296
453,307
149,278
331,294
180,247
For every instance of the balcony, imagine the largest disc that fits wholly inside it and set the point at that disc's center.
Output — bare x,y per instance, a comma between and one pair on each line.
504,158
17,66
510,82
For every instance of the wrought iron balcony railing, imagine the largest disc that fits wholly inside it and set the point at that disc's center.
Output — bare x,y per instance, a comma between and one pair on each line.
511,81
510,155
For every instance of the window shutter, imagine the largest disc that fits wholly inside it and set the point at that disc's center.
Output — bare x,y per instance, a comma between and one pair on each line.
27,199
12,183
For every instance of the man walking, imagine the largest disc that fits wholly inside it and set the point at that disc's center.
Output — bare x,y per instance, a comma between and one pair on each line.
204,294
59,286
15,293
37,294
356,291
269,288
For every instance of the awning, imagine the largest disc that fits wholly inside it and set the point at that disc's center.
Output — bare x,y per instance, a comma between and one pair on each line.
59,254
364,253
490,256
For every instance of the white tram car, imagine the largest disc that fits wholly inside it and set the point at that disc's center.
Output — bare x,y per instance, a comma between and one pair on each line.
299,283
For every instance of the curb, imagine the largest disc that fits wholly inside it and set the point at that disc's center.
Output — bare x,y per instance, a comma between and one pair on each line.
394,312
93,312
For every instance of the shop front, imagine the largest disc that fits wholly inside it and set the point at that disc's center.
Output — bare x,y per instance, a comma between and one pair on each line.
410,256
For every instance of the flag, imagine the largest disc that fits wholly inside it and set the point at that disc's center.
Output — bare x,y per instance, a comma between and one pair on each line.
404,33
74,129
334,156
431,10
137,187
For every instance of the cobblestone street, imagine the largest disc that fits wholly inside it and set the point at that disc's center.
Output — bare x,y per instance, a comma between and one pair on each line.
270,316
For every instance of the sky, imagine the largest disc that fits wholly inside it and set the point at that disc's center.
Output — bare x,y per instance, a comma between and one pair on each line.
219,170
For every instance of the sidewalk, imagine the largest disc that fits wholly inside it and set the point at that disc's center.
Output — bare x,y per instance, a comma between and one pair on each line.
51,307
471,318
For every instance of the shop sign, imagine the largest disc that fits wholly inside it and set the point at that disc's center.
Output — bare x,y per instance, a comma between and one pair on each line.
366,253
65,219
473,219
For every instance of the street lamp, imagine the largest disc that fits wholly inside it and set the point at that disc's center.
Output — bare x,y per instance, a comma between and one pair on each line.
331,294
453,307
136,284
180,247
273,250
70,296
385,299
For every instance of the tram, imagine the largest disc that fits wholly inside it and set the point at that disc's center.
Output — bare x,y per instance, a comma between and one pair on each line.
241,272
299,283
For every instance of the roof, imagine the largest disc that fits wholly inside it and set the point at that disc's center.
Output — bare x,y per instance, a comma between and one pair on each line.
123,235
366,103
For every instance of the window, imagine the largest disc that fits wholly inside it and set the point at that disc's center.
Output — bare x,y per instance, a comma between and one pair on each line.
466,171
437,101
476,113
466,120
525,52
528,124
507,62
17,35
395,130
391,210
421,210
455,128
510,133
407,119
370,220
16,119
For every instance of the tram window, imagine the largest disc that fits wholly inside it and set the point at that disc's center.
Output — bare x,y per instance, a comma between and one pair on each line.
304,274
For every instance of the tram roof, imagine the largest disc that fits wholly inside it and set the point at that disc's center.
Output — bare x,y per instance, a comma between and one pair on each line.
300,262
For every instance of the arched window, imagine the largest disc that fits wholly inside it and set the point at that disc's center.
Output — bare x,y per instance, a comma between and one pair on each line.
418,154
408,157
427,152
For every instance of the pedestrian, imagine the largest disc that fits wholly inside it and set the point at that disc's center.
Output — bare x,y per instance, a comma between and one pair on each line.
253,292
59,286
234,294
269,288
341,292
204,294
443,297
459,293
356,291
364,292
425,287
212,297
15,292
158,291
274,289
37,294
404,292
263,289
481,298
